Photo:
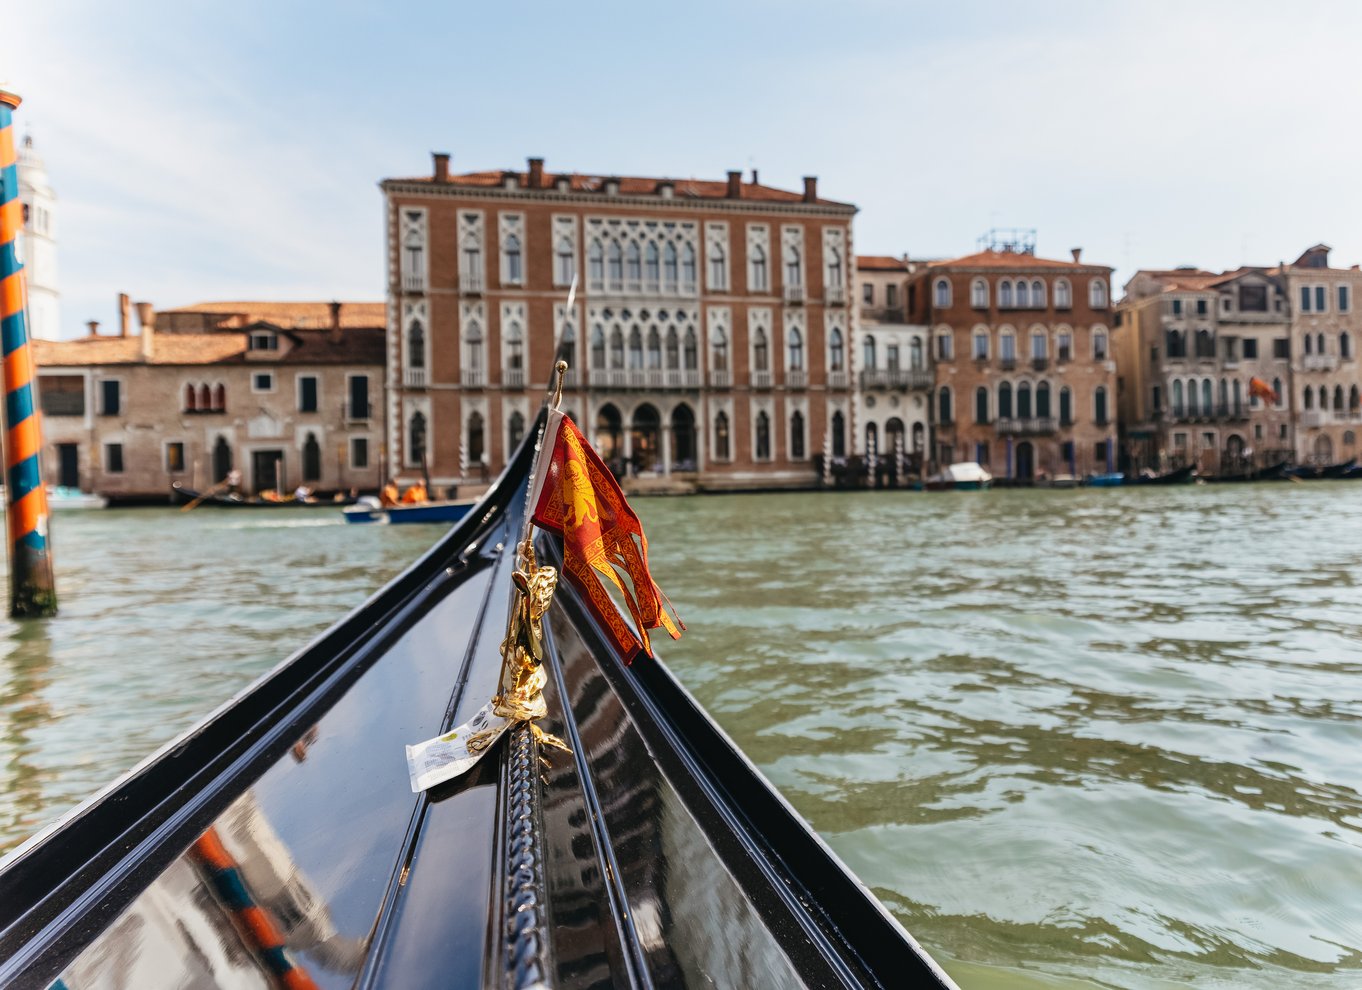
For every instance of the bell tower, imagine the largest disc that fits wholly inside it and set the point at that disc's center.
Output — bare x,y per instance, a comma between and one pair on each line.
39,244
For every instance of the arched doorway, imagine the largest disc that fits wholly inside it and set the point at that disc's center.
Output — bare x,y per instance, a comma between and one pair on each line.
645,433
222,460
1026,461
683,439
893,436
1324,448
609,428
839,434
312,459
1234,453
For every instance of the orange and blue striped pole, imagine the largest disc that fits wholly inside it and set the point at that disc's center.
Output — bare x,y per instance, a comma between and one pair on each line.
32,591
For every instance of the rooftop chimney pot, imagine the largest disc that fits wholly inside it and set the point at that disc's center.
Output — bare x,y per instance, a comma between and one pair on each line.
734,185
146,316
810,188
536,173
94,327
124,314
441,165
755,181
1078,254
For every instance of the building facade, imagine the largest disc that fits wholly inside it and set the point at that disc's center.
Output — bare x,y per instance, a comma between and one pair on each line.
1024,382
709,340
285,405
39,244
1325,329
894,374
1188,345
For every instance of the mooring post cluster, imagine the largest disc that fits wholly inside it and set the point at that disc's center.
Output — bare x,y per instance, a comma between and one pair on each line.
32,591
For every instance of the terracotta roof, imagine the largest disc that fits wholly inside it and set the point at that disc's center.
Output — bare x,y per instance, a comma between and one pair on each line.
288,314
880,263
1010,259
630,185
361,345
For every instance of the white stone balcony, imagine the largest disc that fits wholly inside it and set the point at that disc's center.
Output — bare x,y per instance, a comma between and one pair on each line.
1030,426
413,281
414,377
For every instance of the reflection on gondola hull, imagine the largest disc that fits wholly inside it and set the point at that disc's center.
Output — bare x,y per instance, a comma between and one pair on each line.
651,854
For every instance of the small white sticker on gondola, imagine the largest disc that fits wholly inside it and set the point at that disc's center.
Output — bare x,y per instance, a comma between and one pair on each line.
456,752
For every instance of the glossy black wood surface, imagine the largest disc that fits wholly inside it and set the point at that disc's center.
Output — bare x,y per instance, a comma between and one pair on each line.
650,855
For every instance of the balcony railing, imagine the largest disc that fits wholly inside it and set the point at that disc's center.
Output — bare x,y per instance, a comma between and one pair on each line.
470,283
655,378
1007,363
797,378
1224,414
1030,426
513,378
358,412
1311,417
413,282
414,377
1319,362
882,314
897,378
721,379
1040,363
838,379
794,295
761,379
837,295
472,378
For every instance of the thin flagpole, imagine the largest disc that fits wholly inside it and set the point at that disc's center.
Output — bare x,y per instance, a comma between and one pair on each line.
32,590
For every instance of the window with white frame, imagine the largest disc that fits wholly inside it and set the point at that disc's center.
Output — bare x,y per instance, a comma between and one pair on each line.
1063,294
262,381
413,261
1037,294
978,294
511,227
473,322
759,333
980,346
1097,293
564,250
941,293
945,346
794,341
1005,294
1099,344
642,255
834,259
470,247
758,258
792,254
716,256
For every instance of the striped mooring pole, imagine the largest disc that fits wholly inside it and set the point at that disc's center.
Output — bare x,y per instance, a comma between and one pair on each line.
32,591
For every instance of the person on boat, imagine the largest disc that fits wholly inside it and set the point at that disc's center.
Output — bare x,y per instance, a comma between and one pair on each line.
416,494
302,493
389,495
234,481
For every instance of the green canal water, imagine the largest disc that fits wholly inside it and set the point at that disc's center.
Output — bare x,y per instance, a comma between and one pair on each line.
1070,739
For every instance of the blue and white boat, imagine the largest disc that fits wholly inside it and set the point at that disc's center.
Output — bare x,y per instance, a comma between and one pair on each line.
370,510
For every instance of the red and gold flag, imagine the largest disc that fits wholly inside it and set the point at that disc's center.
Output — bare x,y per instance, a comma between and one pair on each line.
581,501
1262,390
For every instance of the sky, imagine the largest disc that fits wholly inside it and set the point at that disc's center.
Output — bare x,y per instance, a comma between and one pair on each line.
232,151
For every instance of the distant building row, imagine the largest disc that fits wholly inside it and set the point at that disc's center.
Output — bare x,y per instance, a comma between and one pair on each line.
723,336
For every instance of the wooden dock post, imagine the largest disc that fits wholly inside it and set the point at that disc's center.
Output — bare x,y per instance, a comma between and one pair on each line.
32,590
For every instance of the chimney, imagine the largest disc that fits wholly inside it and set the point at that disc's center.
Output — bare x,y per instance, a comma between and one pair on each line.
755,181
124,314
147,317
735,185
810,188
94,327
1078,255
441,165
335,322
536,173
